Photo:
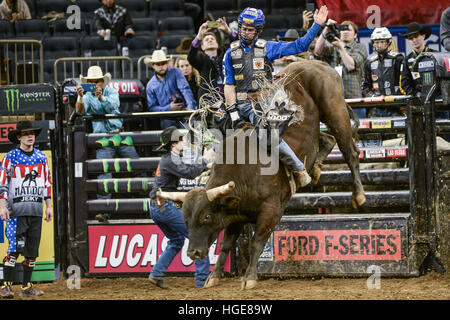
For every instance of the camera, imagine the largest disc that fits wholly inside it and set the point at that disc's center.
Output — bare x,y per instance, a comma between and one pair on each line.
213,24
334,31
89,87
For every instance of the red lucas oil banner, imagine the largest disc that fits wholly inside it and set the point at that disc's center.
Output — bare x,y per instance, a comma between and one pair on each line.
136,248
375,244
392,12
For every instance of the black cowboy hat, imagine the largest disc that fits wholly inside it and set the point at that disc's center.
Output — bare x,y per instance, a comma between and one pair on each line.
169,135
414,27
21,127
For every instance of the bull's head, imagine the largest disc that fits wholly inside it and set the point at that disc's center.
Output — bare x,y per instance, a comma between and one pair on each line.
206,213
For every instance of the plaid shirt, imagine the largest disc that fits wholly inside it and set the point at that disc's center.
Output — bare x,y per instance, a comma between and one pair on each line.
118,20
351,79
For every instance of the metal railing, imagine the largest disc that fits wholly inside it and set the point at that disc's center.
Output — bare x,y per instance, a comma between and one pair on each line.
117,70
20,47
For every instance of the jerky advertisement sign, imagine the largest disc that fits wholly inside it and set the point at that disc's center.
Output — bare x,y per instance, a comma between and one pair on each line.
15,100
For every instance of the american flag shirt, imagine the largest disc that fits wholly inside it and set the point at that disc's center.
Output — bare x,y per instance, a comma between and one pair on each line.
25,181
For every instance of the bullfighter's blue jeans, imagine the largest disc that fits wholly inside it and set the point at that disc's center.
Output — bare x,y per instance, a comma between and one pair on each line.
169,219
287,155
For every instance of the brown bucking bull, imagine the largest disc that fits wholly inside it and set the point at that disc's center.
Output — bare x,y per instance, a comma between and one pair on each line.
237,194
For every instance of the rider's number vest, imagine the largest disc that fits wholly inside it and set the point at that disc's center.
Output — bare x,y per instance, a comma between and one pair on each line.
249,68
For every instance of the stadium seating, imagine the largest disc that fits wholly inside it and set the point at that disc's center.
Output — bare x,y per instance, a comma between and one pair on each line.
264,5
273,26
219,8
166,8
32,28
60,29
140,46
171,42
6,29
88,7
32,6
58,47
177,26
146,27
137,8
288,6
95,46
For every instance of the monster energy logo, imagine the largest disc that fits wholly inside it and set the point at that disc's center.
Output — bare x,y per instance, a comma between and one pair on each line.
427,77
12,99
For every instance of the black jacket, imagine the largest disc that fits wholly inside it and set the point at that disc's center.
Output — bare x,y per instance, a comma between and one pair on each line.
171,169
208,68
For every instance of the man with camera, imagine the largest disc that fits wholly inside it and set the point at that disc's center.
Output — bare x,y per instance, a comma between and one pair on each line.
95,97
345,54
206,54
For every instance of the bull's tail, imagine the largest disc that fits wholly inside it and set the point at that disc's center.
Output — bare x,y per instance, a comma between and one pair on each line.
355,126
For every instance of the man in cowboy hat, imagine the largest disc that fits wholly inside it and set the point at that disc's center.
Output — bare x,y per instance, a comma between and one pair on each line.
104,100
21,205
416,35
168,89
165,213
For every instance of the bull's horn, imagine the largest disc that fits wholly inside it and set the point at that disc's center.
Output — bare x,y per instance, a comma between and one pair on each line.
216,192
174,196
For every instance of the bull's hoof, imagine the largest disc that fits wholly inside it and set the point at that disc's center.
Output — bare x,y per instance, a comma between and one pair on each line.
358,200
315,174
249,284
211,282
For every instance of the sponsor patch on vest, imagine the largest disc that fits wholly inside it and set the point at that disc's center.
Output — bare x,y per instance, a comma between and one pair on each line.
236,54
415,75
374,65
237,66
234,44
388,63
375,85
258,63
255,84
374,77
259,52
241,95
261,43
238,77
411,59
387,84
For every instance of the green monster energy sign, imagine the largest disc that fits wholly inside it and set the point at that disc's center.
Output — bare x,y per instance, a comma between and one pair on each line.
12,100
27,99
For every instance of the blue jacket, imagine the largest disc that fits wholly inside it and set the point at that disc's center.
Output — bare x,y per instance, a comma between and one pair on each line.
159,93
274,50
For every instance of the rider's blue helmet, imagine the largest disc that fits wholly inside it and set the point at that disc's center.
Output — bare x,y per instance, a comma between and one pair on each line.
253,17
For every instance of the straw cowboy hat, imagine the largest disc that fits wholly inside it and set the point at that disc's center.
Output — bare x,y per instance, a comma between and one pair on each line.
414,27
95,72
157,56
21,127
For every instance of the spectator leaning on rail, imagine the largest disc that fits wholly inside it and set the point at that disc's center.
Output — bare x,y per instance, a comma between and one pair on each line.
416,35
104,100
206,55
13,10
248,60
113,20
168,89
25,182
382,71
346,55
166,213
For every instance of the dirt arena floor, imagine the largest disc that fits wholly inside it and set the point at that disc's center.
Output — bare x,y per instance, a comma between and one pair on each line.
431,286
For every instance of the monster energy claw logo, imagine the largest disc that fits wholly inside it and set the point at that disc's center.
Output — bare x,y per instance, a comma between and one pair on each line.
427,77
12,100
